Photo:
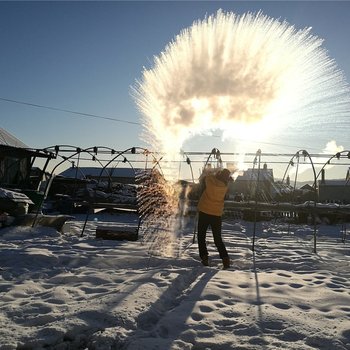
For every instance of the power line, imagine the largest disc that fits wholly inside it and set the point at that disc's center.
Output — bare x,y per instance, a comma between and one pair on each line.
69,111
112,119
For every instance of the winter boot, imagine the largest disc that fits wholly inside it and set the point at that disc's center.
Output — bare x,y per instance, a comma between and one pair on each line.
205,261
226,262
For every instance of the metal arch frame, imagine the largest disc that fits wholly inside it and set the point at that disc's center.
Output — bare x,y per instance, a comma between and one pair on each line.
49,182
93,154
92,151
306,154
256,159
99,178
216,153
146,152
78,151
133,150
188,161
291,163
336,155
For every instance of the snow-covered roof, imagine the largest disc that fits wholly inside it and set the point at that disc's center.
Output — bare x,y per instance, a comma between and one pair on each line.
9,140
84,172
279,187
252,174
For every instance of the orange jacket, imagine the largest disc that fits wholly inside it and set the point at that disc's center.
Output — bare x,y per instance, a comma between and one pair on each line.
212,199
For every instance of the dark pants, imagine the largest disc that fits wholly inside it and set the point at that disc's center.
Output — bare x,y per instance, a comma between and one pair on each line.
204,221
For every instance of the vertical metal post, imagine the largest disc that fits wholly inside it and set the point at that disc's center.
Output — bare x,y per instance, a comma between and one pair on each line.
258,155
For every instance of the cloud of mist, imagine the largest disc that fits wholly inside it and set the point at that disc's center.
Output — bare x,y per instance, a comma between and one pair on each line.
229,71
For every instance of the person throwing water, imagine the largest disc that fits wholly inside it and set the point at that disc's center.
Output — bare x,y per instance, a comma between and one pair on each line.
210,209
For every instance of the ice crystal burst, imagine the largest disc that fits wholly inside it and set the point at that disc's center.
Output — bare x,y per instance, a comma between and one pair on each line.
241,74
230,72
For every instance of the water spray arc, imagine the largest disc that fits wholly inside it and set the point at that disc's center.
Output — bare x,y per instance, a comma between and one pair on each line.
239,73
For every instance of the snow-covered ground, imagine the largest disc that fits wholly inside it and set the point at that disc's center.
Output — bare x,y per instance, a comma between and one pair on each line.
64,291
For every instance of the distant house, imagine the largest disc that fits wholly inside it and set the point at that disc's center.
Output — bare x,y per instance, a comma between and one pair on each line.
7,139
254,179
282,191
307,188
16,172
114,175
16,162
334,191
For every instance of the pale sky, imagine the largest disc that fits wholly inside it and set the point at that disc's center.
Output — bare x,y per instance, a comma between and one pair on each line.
86,56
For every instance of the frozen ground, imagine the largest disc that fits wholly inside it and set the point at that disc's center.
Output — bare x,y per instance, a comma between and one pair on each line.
63,291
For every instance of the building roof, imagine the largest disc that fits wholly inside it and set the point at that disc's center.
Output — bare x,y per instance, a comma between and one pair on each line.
83,172
334,182
307,187
252,174
9,140
281,188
